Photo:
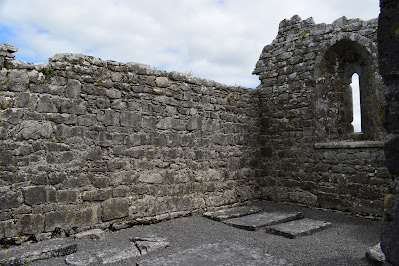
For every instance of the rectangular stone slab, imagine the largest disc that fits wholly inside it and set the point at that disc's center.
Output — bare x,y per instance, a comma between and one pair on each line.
260,220
39,251
232,212
298,228
216,254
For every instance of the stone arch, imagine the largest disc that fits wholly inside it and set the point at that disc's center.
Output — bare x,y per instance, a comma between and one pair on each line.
335,65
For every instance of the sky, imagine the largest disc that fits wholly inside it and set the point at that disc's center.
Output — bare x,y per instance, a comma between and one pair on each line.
214,39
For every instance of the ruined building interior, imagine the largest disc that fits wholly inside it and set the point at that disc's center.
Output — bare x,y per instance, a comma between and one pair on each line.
88,143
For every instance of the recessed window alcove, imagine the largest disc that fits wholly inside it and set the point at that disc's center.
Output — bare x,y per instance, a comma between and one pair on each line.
335,108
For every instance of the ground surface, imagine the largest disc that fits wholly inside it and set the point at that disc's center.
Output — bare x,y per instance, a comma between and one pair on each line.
344,243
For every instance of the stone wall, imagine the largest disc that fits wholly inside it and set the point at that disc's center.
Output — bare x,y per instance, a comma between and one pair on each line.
91,143
309,152
388,57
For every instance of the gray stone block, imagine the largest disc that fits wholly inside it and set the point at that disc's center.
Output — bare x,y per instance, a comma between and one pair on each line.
257,221
113,255
162,82
32,224
34,195
9,200
81,259
232,212
130,119
90,234
73,88
40,251
148,244
375,255
298,228
45,105
194,123
216,254
115,208
97,195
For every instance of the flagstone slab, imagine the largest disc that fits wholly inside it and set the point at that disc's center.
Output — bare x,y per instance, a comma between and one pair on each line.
298,228
260,220
216,254
39,251
232,212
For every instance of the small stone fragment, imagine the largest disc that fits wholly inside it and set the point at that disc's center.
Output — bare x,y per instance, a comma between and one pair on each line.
91,234
80,259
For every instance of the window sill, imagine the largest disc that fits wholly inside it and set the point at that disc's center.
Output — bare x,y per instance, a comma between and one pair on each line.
349,144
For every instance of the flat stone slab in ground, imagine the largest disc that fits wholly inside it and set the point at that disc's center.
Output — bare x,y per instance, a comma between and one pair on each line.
263,219
232,212
216,254
298,228
38,251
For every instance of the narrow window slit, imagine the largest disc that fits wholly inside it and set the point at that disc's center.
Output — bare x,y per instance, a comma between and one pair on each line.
357,123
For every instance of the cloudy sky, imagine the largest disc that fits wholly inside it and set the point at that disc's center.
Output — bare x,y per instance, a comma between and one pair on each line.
214,39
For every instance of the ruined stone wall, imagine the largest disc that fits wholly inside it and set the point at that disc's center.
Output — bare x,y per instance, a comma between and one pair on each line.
91,143
309,152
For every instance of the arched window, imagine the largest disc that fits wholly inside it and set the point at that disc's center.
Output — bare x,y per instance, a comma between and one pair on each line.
346,84
356,107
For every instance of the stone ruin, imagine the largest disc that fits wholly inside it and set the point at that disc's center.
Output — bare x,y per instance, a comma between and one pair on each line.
89,143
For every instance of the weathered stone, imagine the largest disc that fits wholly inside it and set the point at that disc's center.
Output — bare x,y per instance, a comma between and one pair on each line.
9,200
68,196
90,234
375,255
70,218
81,258
148,244
34,195
115,208
73,88
45,105
97,195
151,178
130,119
39,251
232,212
32,224
194,123
162,82
257,221
114,255
298,228
165,123
216,254
114,94
35,130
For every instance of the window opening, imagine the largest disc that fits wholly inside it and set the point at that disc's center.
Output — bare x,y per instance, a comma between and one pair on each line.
357,122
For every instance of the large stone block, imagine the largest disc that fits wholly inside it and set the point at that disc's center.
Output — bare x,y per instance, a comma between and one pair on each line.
32,224
115,208
97,195
66,219
130,119
46,105
194,123
73,88
29,129
9,200
34,195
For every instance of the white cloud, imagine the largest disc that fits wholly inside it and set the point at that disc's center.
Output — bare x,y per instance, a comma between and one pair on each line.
215,39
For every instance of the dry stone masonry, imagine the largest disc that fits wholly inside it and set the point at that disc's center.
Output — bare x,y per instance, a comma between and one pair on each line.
91,143
87,143
309,152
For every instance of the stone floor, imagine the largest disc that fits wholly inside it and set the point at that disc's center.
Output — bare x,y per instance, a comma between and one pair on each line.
273,234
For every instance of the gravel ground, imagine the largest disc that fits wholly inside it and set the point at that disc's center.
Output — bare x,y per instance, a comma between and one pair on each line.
345,243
